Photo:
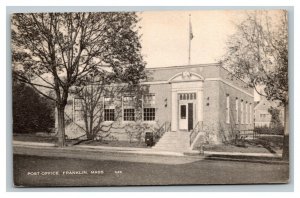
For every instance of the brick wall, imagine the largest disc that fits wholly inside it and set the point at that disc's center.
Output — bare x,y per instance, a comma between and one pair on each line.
211,107
234,95
162,102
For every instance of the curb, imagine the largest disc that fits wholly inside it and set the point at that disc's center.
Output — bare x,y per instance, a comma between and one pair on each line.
234,154
245,160
245,157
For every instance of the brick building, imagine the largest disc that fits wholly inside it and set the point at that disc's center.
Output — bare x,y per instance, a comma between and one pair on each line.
193,103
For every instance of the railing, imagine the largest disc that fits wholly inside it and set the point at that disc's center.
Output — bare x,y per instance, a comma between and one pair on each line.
198,127
69,120
246,134
166,126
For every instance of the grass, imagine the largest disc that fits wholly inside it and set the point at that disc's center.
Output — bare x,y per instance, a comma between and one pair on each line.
233,148
263,144
51,139
34,138
117,144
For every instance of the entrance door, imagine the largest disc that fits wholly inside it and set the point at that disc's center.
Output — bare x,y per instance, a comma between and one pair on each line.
190,116
186,103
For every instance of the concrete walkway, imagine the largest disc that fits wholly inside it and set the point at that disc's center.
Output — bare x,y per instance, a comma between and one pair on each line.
130,150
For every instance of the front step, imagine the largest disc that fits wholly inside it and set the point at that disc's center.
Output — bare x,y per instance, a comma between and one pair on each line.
174,141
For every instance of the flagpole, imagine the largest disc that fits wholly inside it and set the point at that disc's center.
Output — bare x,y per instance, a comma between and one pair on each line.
190,39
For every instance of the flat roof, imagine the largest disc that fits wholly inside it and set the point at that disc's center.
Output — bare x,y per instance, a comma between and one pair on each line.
184,66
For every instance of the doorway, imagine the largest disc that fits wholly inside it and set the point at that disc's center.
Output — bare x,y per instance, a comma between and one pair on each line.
186,116
190,116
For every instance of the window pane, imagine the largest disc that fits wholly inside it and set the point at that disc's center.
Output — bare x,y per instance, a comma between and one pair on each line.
78,104
149,100
108,102
129,115
183,111
128,101
109,114
227,109
78,116
187,96
149,114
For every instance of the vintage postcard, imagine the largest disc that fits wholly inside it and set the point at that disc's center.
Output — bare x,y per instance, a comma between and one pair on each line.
150,98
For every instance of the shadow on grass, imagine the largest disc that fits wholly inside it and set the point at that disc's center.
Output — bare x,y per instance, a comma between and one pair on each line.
271,143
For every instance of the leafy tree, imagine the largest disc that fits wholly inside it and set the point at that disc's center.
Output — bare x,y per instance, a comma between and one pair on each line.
258,53
54,51
31,112
275,117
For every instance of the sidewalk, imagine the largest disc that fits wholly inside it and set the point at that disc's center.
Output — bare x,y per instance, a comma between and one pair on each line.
129,150
210,155
245,157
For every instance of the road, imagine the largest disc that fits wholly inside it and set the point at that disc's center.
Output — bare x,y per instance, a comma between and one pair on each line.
151,170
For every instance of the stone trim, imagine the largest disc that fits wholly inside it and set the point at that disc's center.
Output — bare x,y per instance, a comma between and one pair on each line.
207,79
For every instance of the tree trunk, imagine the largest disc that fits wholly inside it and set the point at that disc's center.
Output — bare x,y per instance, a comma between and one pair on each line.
285,151
89,136
61,125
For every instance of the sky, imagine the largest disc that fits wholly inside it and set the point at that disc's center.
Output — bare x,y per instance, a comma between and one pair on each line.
165,36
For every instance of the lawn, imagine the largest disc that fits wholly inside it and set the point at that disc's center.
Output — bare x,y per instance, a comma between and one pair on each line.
262,144
52,139
34,138
116,143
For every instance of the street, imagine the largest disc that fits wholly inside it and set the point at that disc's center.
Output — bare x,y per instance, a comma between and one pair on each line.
62,171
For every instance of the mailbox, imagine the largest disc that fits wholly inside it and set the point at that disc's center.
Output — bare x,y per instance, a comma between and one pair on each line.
149,139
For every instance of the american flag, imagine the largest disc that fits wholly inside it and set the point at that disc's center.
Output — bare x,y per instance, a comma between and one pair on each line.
191,31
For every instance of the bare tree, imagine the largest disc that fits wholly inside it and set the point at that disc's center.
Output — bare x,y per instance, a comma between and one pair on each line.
93,100
54,51
101,105
258,53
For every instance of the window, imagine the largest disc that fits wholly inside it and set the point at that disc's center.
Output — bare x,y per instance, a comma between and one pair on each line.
149,114
78,104
246,112
227,109
250,114
109,109
128,101
263,115
149,107
78,116
183,111
109,114
242,112
77,109
128,108
237,110
149,100
187,96
129,115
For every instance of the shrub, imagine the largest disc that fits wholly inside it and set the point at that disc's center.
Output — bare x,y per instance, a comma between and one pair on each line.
31,112
279,130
